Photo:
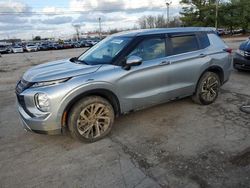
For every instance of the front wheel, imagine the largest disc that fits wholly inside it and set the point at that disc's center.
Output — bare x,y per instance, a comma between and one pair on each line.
207,89
91,119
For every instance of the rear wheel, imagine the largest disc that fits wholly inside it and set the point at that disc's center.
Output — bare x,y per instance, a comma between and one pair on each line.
91,119
207,89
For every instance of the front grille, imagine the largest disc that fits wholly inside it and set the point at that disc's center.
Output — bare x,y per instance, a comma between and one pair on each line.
21,101
22,85
247,54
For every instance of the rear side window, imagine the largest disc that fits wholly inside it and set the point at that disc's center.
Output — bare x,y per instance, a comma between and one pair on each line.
183,44
204,41
216,41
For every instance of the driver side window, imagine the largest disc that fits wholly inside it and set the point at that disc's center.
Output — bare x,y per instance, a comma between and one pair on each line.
150,49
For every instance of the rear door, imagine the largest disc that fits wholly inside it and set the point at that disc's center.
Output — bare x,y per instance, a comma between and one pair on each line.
186,60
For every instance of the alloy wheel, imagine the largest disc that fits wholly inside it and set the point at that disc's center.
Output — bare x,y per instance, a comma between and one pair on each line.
93,120
210,88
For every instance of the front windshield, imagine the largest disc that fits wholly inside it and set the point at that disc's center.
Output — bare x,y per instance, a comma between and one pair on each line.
105,51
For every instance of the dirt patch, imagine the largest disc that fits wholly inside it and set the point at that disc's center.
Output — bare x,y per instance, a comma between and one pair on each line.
210,169
201,182
242,158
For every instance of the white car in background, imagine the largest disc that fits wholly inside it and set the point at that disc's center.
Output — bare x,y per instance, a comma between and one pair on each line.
31,48
17,49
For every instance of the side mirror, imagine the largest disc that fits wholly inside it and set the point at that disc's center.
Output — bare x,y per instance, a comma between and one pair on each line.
134,60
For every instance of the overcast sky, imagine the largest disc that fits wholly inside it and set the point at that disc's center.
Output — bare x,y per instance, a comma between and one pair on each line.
54,18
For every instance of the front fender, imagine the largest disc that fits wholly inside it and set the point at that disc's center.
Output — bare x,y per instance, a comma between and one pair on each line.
80,91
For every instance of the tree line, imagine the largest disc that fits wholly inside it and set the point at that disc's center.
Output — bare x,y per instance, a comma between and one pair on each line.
232,15
158,21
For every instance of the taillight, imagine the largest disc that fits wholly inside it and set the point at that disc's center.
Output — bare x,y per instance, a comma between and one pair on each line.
228,50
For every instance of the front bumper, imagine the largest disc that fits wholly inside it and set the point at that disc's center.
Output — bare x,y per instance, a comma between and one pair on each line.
241,62
31,117
38,125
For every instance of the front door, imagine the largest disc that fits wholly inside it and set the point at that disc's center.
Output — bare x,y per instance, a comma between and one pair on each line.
145,84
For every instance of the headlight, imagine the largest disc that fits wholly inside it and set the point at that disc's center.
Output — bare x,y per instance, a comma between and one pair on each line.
47,83
42,102
241,52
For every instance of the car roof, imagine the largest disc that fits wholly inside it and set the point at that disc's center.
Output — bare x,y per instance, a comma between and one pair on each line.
143,32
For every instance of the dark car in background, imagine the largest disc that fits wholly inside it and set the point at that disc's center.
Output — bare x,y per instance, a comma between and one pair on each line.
242,56
4,49
84,43
44,46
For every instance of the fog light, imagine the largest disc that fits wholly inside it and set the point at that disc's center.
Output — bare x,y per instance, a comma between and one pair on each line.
42,102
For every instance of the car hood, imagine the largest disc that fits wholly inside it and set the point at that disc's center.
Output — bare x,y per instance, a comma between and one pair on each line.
245,46
58,70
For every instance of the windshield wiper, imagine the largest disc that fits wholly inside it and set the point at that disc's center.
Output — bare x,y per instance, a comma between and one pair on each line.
78,61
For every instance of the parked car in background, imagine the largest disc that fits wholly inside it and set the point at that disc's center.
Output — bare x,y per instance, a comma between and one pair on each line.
5,49
67,45
31,48
221,32
54,46
123,73
91,42
242,56
76,45
84,43
43,46
17,49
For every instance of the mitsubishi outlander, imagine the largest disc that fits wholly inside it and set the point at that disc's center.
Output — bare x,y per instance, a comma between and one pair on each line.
125,72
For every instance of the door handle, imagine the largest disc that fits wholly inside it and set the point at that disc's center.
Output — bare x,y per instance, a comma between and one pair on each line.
202,55
165,63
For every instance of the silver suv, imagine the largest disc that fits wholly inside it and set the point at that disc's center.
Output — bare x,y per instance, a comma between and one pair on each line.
125,72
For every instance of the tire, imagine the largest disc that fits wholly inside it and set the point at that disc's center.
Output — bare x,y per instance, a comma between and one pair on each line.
91,119
207,89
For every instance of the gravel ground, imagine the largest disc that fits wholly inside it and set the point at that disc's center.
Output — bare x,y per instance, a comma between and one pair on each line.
178,144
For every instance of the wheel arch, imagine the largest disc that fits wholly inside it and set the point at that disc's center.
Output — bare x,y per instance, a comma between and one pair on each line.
104,93
215,69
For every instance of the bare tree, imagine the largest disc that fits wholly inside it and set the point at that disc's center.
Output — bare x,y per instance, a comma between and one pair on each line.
176,22
158,21
142,22
150,21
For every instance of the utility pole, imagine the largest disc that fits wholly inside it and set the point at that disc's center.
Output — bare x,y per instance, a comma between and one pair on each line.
216,13
100,28
168,3
77,29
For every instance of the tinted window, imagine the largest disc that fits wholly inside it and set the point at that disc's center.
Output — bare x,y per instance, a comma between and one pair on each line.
204,41
150,49
182,44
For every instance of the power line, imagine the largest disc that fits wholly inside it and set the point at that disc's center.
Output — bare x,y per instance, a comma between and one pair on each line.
65,12
42,13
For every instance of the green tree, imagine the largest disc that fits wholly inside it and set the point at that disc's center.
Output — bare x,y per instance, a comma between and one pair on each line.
37,38
232,14
244,6
229,16
198,12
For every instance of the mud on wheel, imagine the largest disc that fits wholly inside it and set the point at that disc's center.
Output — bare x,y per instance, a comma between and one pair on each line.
91,119
207,89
